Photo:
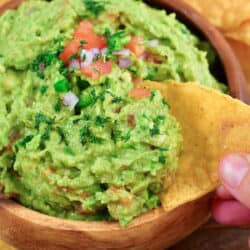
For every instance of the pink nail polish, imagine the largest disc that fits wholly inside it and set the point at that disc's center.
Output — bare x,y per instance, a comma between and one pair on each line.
233,169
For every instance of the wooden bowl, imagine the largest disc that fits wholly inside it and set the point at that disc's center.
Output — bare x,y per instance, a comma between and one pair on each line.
155,230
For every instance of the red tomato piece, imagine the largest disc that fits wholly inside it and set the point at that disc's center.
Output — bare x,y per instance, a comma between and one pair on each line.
85,32
135,46
70,49
140,93
97,69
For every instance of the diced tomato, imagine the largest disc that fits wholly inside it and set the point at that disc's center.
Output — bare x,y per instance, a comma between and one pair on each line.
85,32
140,93
97,69
135,46
70,49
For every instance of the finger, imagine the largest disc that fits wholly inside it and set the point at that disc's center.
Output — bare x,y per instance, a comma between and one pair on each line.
223,193
234,172
231,213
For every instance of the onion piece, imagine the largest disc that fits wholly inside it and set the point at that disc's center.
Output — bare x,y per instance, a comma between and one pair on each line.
70,100
75,64
123,53
153,43
89,56
124,63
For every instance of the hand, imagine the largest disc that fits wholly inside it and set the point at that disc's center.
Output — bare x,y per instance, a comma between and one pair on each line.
232,206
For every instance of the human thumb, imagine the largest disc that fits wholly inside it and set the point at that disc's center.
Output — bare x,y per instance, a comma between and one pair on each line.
234,172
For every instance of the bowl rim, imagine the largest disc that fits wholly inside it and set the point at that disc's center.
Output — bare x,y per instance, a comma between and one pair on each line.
233,73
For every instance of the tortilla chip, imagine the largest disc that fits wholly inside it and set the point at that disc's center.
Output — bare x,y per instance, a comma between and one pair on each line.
213,125
230,16
241,33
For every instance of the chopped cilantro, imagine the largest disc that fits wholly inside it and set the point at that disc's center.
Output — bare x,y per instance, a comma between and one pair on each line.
117,99
116,133
86,136
165,103
73,56
162,159
62,135
45,59
155,130
96,58
86,117
117,41
96,7
46,134
82,84
41,118
101,96
84,57
152,95
25,140
58,106
126,137
151,73
100,121
61,86
63,70
44,89
159,119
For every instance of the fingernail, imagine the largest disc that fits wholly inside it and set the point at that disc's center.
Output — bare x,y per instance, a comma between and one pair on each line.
233,169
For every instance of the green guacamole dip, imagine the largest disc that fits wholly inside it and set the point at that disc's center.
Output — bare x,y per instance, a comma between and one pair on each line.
105,156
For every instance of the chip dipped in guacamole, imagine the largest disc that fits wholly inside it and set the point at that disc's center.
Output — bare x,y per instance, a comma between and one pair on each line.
80,137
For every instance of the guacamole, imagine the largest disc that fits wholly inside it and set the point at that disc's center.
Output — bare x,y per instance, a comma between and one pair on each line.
80,138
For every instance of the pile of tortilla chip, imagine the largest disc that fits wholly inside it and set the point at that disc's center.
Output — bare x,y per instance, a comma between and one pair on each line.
213,125
230,16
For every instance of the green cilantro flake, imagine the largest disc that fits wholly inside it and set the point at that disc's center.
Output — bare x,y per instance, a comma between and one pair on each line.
164,102
41,118
96,7
62,135
162,159
117,41
86,136
25,141
155,130
101,121
44,89
58,106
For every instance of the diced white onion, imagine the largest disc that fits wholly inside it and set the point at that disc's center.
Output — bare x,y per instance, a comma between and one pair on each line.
88,56
123,53
75,64
124,63
70,100
154,43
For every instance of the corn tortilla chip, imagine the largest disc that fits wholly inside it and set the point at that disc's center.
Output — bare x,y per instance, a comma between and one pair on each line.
213,124
230,16
241,33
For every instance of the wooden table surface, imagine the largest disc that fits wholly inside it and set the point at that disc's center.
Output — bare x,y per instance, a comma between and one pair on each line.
210,236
